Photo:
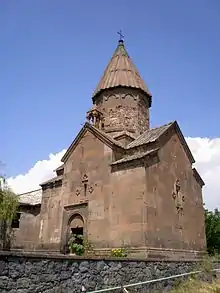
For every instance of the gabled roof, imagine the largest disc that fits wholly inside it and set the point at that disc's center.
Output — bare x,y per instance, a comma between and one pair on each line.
105,138
149,135
121,71
155,134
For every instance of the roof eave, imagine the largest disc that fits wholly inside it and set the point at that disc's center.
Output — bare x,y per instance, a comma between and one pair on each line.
198,177
52,180
184,143
61,167
25,204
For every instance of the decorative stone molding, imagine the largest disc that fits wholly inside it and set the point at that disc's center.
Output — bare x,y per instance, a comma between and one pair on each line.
84,186
178,197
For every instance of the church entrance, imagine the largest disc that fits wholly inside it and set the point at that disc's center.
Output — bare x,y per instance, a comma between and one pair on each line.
76,231
74,224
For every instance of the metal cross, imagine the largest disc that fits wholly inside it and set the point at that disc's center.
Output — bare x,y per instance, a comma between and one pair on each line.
121,35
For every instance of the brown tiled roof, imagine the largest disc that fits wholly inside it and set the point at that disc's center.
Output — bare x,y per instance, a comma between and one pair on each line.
121,72
149,135
134,157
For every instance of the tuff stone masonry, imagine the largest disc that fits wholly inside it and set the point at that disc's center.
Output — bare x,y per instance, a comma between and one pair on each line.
121,182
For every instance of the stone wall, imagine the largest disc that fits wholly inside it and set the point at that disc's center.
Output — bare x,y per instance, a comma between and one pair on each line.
37,273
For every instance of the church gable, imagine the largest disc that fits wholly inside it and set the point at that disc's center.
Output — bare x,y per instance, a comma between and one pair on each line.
161,135
175,129
106,139
86,171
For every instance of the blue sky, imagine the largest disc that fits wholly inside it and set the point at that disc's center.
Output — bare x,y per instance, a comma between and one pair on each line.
53,53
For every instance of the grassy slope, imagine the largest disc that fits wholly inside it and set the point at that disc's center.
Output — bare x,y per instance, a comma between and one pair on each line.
195,286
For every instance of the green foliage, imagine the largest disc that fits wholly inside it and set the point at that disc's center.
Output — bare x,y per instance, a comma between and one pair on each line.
8,205
119,252
8,209
75,244
78,245
212,226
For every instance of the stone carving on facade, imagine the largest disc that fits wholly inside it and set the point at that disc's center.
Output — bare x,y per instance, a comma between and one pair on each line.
85,178
120,96
178,197
84,186
91,189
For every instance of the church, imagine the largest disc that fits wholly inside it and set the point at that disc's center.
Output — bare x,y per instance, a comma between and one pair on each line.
121,184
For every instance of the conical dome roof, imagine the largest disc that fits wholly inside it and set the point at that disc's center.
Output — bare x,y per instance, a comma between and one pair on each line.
121,72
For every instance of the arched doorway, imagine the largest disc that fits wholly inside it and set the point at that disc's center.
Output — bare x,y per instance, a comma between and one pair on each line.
75,231
76,225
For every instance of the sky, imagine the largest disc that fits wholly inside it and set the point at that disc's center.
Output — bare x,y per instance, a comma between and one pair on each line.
53,53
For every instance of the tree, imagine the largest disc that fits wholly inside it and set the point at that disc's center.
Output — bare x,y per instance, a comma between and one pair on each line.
8,209
212,226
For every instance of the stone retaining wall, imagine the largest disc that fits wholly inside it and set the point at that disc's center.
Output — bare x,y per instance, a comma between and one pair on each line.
35,273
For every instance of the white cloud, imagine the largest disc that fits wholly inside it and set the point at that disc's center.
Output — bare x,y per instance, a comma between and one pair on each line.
206,152
207,155
41,171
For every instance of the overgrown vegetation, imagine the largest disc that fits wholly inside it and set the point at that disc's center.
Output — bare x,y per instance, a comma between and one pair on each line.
8,209
75,244
78,245
196,286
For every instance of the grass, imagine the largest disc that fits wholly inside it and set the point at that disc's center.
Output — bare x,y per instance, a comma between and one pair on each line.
195,286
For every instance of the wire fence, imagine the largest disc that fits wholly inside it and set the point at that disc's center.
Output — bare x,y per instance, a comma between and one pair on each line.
124,287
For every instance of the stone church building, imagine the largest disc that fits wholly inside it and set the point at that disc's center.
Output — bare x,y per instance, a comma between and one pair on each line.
121,182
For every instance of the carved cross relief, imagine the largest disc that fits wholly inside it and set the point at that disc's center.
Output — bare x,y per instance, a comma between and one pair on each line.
178,197
85,187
